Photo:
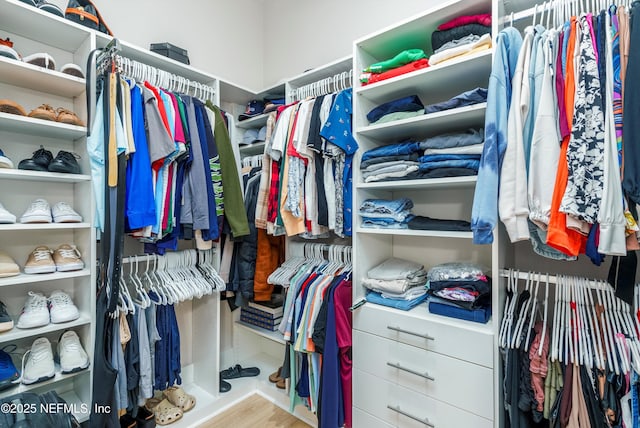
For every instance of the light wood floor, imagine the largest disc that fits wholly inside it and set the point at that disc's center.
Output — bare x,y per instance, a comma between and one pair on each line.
255,411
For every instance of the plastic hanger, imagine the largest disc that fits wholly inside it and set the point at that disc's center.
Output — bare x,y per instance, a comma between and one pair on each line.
606,333
545,326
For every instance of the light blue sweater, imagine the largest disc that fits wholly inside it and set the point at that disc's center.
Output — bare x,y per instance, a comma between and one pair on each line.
484,215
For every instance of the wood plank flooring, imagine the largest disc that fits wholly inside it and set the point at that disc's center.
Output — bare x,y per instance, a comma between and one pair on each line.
255,411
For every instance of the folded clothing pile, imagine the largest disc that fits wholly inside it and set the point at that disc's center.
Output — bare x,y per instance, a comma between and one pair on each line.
463,35
404,62
397,283
387,214
460,290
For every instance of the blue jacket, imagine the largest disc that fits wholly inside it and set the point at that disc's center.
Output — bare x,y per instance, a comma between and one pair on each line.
484,215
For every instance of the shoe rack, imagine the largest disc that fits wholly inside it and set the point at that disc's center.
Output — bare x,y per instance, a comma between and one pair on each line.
32,30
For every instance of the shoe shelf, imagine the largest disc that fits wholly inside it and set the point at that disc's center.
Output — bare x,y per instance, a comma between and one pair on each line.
41,128
40,79
55,177
275,336
433,80
59,377
17,333
252,149
44,226
422,184
419,233
427,124
24,278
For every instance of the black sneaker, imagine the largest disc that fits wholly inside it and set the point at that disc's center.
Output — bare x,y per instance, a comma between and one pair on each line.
38,162
65,162
6,322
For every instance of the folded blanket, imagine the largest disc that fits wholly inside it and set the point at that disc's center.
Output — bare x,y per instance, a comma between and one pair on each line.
483,43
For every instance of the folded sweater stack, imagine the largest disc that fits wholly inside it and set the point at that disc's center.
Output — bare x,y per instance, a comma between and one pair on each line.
397,283
464,35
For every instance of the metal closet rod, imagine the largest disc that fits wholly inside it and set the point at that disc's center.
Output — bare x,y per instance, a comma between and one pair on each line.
538,9
324,86
553,279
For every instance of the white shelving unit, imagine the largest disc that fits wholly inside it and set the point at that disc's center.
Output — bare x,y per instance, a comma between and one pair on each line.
418,341
33,30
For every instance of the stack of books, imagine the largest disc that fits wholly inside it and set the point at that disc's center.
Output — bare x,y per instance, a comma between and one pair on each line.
265,315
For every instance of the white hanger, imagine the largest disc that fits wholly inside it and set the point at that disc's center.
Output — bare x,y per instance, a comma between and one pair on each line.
545,326
515,338
532,315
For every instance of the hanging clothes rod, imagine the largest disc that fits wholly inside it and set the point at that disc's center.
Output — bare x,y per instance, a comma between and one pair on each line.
545,7
335,83
553,279
143,258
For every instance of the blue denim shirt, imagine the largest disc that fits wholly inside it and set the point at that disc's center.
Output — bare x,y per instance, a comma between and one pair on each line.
484,214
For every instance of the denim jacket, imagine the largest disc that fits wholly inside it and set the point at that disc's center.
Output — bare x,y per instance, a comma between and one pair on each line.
484,215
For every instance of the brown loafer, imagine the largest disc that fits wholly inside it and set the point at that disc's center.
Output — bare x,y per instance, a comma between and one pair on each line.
12,107
67,116
44,112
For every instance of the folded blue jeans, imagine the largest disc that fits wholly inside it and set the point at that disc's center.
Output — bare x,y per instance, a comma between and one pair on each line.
383,159
404,148
443,157
404,305
462,163
410,103
378,220
385,206
474,96
455,139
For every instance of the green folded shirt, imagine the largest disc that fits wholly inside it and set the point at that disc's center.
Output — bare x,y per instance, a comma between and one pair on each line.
404,57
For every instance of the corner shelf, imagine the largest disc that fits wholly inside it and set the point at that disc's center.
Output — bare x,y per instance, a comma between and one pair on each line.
56,177
416,233
254,122
41,128
427,124
17,333
43,226
425,184
252,149
24,278
275,336
41,79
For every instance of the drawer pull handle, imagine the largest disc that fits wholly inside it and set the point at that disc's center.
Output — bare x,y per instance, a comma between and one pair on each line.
401,330
424,421
408,370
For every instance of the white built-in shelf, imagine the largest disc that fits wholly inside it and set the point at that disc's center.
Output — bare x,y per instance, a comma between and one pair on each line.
422,312
41,79
437,80
24,278
252,149
19,18
58,177
424,184
59,377
253,122
43,226
275,336
427,124
319,73
80,408
41,128
17,333
416,233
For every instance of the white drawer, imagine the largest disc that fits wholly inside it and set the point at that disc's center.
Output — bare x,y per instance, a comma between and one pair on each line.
457,339
362,419
379,398
460,383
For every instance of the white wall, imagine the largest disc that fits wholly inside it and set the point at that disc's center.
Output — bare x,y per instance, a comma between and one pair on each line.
304,34
223,37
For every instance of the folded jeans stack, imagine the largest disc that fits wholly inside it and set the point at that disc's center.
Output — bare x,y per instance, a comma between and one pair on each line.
390,162
460,290
386,214
396,283
404,62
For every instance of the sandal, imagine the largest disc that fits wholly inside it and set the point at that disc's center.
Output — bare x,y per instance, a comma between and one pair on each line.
281,383
178,397
239,371
12,107
166,413
67,116
45,112
275,377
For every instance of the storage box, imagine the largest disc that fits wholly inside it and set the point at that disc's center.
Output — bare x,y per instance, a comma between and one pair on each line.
171,51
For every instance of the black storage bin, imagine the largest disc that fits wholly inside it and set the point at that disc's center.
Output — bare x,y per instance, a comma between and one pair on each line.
171,51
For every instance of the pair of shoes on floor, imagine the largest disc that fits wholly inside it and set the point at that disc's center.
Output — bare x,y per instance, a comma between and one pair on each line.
44,112
43,160
171,406
40,212
38,363
144,419
65,258
276,378
38,311
236,372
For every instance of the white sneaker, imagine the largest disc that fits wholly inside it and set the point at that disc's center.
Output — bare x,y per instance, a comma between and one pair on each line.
6,216
63,213
39,365
35,312
72,357
38,212
61,308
